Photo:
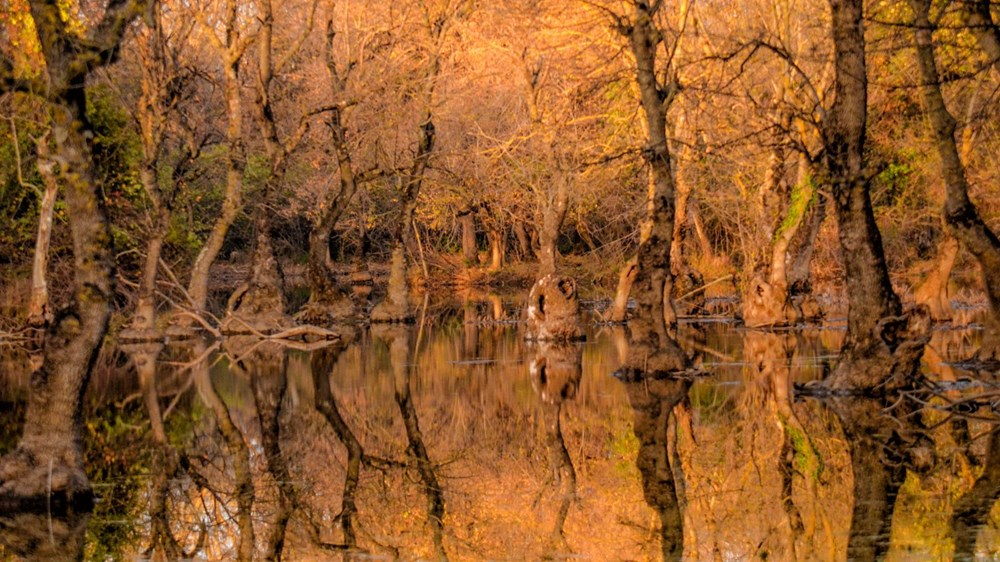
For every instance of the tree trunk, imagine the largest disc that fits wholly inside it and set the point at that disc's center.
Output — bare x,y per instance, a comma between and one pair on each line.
523,243
960,214
804,241
980,21
553,215
619,307
47,468
870,294
653,350
470,252
39,314
235,165
933,292
498,244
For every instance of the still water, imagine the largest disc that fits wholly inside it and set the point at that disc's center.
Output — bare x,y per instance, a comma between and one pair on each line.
456,439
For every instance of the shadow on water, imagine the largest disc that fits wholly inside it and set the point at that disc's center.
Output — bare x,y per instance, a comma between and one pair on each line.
456,439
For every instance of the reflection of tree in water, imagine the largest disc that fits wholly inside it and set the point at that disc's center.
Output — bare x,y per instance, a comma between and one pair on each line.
400,354
321,364
42,537
972,510
653,401
885,438
555,377
239,453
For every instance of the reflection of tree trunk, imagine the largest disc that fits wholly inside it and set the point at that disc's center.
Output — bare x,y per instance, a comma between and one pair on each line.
239,454
555,375
164,464
972,510
399,352
879,456
960,214
322,363
470,331
652,403
42,537
269,378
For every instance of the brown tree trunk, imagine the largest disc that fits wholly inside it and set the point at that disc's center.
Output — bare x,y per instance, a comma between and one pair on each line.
980,21
498,245
804,241
231,53
47,465
933,292
39,314
618,312
960,214
470,252
523,243
870,294
653,349
553,216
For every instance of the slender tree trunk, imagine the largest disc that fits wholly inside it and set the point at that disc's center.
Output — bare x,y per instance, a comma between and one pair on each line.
498,244
553,216
960,214
235,164
870,294
619,307
39,314
523,243
653,348
933,292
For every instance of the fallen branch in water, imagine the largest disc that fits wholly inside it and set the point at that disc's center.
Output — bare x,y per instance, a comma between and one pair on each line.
703,287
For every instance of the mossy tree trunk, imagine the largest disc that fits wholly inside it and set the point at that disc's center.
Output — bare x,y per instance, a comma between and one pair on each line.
48,460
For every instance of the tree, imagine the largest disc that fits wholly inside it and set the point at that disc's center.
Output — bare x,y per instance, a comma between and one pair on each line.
48,460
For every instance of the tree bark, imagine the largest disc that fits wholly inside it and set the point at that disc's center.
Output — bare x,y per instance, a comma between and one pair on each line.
470,252
960,215
47,464
653,350
870,294
39,312
231,53
980,21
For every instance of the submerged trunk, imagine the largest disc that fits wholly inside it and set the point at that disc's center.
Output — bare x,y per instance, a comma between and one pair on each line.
870,342
960,215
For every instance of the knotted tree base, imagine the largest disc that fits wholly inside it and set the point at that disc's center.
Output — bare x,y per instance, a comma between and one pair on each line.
553,311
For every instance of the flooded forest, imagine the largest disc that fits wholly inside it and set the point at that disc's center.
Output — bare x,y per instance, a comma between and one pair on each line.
517,280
